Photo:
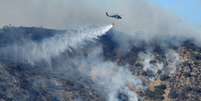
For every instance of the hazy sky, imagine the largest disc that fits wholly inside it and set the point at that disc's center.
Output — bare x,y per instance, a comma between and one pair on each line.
144,19
58,13
189,10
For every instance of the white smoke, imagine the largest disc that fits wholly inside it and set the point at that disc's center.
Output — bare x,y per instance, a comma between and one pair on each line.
32,52
109,78
114,80
141,20
146,59
173,60
152,65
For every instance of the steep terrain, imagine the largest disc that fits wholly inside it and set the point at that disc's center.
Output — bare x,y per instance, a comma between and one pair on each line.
39,64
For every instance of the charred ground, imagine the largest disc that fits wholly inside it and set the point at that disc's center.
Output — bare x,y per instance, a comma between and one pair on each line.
19,83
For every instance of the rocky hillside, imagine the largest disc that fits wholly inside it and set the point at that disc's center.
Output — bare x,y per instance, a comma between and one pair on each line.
165,73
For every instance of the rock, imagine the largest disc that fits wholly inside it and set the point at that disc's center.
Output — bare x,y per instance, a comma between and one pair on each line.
122,97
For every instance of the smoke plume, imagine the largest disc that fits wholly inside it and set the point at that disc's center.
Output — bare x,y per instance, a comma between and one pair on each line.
145,41
141,20
32,52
